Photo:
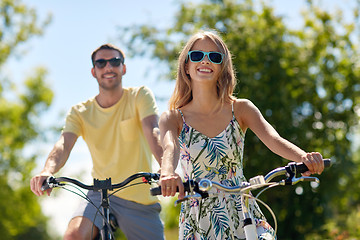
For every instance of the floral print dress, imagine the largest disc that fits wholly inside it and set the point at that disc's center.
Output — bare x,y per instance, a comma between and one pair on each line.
218,159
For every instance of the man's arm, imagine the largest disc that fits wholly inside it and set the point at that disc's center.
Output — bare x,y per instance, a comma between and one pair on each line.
55,161
151,131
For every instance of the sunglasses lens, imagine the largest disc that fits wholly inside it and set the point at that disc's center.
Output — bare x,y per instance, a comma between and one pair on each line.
101,63
215,57
196,56
115,62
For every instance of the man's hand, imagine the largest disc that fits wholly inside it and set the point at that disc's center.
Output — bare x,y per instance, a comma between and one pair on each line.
36,183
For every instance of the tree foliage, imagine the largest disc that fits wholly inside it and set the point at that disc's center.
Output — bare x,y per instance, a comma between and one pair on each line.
21,216
306,83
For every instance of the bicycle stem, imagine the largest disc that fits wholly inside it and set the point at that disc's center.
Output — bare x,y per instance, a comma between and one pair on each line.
105,210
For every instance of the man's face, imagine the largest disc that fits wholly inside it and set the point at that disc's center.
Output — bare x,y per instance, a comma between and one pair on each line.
109,77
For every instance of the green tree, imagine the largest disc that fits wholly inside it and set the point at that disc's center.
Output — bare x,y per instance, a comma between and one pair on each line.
21,216
306,83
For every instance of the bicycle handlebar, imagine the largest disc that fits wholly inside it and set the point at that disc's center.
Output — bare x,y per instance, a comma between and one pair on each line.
291,170
292,167
52,182
100,185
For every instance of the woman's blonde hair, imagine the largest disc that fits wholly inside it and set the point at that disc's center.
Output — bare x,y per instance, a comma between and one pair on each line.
182,94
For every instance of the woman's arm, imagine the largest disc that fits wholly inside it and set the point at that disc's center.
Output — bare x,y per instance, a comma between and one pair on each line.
169,132
252,118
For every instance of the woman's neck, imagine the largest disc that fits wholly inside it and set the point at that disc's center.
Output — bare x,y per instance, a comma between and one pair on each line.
205,99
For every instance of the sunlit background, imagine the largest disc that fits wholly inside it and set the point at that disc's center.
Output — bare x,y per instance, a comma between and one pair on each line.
76,29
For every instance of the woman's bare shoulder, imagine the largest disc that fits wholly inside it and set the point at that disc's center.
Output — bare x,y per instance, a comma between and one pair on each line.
171,117
173,113
244,110
242,104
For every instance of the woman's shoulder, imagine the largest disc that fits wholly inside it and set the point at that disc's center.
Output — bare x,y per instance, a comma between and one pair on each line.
171,113
244,111
242,104
172,116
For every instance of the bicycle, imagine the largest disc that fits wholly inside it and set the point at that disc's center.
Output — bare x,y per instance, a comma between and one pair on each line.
107,232
199,189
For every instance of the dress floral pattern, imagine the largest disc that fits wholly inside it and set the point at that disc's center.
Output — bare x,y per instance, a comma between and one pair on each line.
218,159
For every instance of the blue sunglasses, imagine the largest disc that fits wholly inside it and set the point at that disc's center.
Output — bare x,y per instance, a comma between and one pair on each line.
198,56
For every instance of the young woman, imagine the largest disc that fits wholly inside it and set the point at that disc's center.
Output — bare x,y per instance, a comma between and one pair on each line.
205,129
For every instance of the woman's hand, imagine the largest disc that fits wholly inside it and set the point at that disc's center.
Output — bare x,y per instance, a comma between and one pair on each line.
170,183
315,163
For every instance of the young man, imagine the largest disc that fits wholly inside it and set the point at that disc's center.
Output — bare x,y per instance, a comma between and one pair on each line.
120,127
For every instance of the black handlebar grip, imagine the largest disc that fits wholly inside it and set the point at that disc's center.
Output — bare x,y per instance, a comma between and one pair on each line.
155,191
301,167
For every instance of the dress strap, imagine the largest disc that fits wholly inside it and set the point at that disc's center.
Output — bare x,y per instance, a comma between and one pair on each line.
182,115
232,109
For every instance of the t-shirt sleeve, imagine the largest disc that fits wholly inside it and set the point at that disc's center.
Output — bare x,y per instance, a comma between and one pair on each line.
145,103
73,122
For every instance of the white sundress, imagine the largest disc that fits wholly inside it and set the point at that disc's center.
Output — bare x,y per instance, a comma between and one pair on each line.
218,159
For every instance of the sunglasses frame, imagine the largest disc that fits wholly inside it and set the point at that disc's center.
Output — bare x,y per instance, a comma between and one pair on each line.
112,61
205,54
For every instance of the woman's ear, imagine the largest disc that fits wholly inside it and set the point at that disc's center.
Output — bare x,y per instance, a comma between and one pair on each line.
187,69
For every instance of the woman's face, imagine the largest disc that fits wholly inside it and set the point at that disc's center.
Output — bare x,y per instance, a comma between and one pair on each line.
204,70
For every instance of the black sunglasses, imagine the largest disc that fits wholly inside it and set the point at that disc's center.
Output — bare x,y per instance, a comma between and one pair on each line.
115,62
198,56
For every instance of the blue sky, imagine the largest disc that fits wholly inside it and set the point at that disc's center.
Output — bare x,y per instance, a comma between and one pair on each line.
78,27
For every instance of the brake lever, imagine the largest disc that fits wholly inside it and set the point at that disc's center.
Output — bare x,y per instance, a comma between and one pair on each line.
295,180
48,183
306,179
196,196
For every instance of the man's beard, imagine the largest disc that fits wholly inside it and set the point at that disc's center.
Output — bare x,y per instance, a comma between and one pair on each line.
112,86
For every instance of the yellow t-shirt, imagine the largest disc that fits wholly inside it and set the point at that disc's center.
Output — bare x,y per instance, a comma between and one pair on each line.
115,138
